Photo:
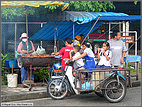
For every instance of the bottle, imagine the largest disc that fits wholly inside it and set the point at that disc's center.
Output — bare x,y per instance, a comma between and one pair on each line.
78,84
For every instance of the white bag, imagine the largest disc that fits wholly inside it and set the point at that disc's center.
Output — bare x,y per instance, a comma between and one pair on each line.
42,50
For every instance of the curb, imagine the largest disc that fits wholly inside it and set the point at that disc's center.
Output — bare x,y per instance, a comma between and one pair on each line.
136,83
8,98
36,95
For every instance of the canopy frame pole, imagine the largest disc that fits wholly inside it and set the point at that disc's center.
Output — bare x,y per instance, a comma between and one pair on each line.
55,48
91,29
41,25
27,30
109,29
15,37
135,43
73,33
127,34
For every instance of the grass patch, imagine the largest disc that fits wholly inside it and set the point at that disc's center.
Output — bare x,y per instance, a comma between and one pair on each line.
131,65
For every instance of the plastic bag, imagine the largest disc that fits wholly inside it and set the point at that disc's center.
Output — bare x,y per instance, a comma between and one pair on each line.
38,50
42,51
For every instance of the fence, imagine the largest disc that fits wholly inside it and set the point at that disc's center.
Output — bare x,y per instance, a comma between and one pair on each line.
11,32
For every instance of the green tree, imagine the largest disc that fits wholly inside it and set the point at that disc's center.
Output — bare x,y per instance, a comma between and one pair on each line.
90,6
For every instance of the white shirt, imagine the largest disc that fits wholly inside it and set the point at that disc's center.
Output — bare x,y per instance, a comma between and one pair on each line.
89,52
76,42
79,62
103,60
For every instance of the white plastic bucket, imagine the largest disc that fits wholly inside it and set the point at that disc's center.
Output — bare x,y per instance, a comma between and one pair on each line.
12,80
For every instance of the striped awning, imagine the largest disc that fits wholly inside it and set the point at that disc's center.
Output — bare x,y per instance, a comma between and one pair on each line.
7,4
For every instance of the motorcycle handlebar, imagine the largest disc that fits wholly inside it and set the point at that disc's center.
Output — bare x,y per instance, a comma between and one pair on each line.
68,61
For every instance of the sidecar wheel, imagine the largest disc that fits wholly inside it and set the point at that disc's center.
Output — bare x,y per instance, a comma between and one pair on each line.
115,93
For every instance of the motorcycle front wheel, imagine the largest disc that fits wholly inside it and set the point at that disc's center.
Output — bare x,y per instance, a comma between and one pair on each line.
54,91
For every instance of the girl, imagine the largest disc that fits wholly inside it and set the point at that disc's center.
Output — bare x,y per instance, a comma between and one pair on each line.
104,56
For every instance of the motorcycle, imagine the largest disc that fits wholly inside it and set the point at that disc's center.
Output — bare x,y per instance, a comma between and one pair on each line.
112,85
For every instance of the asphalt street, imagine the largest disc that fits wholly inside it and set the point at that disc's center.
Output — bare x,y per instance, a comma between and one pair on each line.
132,98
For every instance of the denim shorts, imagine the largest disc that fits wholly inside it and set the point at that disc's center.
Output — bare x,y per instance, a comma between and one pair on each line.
102,66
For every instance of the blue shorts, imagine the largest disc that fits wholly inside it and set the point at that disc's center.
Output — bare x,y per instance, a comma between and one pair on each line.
102,66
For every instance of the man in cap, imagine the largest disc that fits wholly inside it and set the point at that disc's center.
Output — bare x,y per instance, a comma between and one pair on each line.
22,49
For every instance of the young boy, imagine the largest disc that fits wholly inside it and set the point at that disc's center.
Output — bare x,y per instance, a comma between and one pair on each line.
104,56
65,51
78,64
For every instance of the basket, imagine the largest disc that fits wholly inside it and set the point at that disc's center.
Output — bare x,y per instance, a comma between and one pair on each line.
10,62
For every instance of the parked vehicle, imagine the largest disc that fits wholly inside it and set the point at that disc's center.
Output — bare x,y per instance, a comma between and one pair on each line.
110,84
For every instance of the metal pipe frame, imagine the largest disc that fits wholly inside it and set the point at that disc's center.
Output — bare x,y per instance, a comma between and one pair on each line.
23,22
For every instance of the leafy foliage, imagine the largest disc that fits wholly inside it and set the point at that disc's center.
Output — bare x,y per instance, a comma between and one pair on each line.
18,11
94,6
3,64
135,2
90,6
3,57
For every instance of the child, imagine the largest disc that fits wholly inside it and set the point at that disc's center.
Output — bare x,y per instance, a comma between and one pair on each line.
104,56
78,64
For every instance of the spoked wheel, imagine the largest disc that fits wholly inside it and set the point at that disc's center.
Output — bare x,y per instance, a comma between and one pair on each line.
114,92
54,91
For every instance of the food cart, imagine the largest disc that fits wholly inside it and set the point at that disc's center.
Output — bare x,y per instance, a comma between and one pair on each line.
32,61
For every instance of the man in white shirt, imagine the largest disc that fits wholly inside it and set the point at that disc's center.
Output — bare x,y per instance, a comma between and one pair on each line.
118,49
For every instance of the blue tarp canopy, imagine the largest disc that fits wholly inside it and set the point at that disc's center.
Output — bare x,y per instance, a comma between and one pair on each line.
85,17
64,29
82,23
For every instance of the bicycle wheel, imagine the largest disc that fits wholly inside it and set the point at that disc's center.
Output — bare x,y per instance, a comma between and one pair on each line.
114,92
54,91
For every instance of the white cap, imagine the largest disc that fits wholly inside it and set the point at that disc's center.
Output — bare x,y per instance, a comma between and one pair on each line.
23,35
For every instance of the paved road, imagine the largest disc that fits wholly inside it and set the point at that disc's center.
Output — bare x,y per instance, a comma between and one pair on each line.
132,98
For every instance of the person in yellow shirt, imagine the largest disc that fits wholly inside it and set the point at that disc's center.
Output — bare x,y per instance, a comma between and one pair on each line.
76,41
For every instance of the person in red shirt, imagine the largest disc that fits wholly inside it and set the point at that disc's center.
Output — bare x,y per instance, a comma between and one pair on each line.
65,51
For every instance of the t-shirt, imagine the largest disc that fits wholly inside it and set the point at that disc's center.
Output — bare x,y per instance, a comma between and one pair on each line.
79,62
117,47
65,52
103,60
89,52
89,59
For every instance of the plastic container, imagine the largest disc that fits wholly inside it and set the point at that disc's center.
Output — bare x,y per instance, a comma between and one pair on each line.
12,80
10,62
